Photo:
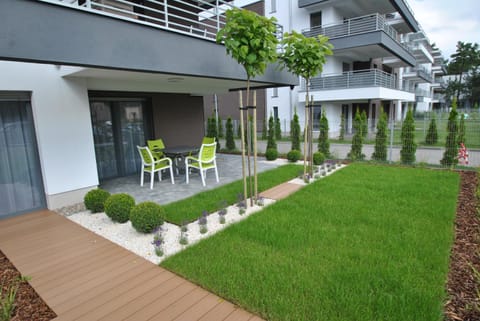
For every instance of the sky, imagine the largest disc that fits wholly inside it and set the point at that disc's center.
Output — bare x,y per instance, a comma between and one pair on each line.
448,21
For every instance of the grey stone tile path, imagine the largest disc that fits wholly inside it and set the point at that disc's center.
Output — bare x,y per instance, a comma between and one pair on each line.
229,170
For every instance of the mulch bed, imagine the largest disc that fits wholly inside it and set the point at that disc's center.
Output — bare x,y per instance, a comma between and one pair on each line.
462,286
463,302
28,304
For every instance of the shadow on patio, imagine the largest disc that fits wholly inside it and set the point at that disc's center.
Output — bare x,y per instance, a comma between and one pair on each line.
229,170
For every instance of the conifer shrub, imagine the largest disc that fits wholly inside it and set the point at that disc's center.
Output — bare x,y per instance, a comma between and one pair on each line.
318,158
220,129
323,143
118,207
341,137
278,129
357,140
364,124
95,199
294,155
432,133
461,130
230,142
409,147
380,153
271,154
450,154
146,216
264,129
295,131
271,142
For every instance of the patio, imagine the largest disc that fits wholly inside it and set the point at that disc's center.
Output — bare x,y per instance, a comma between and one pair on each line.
229,170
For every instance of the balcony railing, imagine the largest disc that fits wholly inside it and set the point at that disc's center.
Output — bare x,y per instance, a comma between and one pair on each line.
354,79
199,18
419,71
422,93
354,26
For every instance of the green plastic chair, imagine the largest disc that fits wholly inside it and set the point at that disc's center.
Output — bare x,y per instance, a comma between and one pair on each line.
152,165
206,160
156,146
208,140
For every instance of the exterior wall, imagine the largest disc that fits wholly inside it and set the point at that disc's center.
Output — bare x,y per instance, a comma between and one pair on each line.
62,123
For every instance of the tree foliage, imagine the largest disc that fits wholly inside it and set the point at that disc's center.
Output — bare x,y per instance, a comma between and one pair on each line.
432,133
230,142
357,140
295,131
380,153
323,142
407,136
450,154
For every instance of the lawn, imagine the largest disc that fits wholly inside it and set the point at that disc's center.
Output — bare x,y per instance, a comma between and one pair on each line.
191,208
367,243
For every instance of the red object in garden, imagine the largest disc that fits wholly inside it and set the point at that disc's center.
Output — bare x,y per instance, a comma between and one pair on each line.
462,155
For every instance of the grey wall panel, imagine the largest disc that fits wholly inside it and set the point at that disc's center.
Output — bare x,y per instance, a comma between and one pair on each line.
41,32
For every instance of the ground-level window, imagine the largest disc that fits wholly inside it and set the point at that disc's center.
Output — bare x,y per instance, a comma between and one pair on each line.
317,114
21,185
275,112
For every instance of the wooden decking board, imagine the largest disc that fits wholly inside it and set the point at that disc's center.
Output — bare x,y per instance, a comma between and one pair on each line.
281,191
178,307
83,276
199,309
130,311
219,312
238,315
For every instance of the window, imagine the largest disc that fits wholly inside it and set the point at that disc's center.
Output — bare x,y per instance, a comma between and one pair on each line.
317,114
273,6
275,112
316,19
275,92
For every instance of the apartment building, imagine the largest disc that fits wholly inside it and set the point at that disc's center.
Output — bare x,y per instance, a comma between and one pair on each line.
381,58
82,82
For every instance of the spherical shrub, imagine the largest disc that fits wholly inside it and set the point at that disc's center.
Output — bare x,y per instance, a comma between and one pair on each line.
293,155
271,154
118,207
318,158
146,216
95,199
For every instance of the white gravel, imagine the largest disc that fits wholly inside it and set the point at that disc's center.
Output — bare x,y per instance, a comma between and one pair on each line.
141,244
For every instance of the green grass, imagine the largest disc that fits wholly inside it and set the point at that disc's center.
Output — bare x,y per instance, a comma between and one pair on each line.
191,208
367,243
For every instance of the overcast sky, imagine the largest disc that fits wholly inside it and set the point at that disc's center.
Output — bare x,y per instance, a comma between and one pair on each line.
448,21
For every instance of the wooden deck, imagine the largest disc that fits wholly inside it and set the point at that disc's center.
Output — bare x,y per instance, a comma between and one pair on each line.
83,276
281,191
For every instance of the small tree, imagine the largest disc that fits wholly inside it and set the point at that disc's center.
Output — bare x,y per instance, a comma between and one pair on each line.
230,143
220,128
432,133
271,143
461,130
380,153
278,129
295,131
450,154
341,137
239,131
357,140
323,143
407,153
364,124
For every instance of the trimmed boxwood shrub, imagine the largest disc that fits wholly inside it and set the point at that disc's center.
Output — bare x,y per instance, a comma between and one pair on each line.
271,154
318,158
95,199
293,155
146,216
118,207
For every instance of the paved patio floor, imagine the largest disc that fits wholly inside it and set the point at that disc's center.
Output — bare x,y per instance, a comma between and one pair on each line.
163,192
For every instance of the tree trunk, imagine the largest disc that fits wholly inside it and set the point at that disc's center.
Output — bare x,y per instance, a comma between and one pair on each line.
242,147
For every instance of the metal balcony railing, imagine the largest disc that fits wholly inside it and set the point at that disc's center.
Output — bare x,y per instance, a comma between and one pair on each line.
354,79
422,93
419,71
199,18
355,26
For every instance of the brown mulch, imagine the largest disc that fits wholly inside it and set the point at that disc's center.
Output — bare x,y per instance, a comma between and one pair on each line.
28,304
463,300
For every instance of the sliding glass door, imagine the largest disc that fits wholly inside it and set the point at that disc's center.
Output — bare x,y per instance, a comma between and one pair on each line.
118,127
21,186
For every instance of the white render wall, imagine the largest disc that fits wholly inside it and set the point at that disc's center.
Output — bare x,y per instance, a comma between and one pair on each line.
63,127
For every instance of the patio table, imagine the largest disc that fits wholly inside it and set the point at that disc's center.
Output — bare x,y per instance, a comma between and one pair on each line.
178,153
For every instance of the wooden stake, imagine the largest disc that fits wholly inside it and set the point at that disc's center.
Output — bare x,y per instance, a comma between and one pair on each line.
242,146
255,183
305,136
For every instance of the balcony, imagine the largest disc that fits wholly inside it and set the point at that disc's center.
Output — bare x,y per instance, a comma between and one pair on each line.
158,37
418,74
354,79
370,33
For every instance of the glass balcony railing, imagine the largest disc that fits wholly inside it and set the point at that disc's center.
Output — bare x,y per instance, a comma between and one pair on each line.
354,79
